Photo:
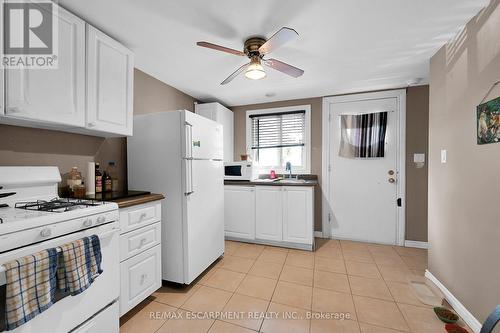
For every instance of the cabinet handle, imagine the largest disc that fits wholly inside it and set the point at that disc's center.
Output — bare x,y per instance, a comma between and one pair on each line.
143,215
92,124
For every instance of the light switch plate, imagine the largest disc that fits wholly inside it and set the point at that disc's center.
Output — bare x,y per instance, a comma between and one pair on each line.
444,156
418,158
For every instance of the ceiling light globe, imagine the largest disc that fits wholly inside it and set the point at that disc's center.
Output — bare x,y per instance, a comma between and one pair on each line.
255,71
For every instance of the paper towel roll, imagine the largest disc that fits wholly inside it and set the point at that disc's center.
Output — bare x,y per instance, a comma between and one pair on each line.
90,183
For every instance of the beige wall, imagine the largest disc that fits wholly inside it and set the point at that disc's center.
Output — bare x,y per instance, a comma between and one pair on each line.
31,146
464,214
316,105
417,142
417,132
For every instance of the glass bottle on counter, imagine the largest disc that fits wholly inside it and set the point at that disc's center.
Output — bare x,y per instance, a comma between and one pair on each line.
111,171
74,179
98,179
107,182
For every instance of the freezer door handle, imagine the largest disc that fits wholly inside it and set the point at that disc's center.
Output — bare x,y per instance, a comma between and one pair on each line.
189,140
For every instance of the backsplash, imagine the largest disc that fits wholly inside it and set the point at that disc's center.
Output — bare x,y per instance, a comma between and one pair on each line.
37,147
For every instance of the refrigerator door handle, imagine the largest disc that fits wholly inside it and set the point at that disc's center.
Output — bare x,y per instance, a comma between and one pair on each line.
189,140
189,177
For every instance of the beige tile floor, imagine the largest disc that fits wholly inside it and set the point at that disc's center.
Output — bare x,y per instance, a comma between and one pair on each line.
366,282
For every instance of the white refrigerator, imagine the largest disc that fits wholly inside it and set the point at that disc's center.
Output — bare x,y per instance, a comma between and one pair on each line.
179,154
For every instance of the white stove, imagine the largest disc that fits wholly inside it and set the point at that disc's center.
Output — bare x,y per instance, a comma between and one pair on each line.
32,218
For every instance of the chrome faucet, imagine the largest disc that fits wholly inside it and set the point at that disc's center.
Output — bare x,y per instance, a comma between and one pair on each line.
288,168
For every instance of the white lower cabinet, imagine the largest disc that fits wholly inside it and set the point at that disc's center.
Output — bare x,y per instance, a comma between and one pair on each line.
277,215
298,225
140,254
140,277
239,215
269,213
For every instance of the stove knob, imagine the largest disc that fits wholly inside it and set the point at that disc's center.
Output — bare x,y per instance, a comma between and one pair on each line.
101,219
87,223
46,232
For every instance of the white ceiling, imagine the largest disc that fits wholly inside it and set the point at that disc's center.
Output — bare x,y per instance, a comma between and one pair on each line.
344,45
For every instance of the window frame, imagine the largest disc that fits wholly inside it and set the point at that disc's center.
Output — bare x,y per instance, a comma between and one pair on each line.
306,158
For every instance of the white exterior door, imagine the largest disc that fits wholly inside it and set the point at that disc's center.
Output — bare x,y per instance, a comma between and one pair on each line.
110,84
298,221
53,95
239,208
269,213
363,192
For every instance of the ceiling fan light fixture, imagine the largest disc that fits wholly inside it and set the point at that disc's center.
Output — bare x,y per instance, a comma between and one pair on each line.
255,71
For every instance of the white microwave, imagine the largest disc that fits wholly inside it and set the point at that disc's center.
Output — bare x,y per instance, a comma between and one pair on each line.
243,170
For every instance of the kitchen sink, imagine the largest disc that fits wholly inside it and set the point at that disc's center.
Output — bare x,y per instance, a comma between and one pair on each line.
292,181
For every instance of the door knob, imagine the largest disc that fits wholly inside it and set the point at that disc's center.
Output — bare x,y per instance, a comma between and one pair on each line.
390,172
392,180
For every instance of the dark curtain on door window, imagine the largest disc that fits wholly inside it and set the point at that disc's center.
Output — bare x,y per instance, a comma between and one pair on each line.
363,135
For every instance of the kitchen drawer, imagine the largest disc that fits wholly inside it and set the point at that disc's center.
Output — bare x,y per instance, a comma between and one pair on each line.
135,217
105,321
140,277
136,241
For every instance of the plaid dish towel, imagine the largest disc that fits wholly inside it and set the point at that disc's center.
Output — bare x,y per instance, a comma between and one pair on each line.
79,264
30,288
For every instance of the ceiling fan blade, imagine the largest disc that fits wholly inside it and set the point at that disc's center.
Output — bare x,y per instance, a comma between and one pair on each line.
235,74
283,67
283,36
220,48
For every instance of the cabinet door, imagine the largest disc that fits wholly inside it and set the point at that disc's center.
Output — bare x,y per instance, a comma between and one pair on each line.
2,77
298,221
52,95
140,277
110,75
269,217
239,212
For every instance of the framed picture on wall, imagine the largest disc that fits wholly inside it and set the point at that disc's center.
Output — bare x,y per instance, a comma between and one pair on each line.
488,122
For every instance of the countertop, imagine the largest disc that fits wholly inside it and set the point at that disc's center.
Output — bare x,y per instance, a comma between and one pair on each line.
126,198
306,180
138,199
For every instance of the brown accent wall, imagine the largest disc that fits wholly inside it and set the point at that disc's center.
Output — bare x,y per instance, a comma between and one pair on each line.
31,146
316,106
417,141
417,101
464,223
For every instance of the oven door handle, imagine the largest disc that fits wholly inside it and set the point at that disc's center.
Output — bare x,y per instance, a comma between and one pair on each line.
108,233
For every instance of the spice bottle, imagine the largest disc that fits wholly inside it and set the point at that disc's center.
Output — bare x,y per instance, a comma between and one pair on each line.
98,179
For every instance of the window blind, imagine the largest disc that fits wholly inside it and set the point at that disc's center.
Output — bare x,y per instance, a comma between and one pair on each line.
278,130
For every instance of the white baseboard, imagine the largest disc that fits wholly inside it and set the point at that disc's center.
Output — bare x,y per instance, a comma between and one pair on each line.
318,234
417,244
462,311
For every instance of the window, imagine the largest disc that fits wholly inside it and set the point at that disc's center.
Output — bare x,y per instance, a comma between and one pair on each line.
277,136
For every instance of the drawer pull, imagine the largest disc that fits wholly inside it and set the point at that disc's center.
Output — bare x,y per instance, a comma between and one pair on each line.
143,278
143,215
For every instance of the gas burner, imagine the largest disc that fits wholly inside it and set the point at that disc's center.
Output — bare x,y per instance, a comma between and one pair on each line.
58,205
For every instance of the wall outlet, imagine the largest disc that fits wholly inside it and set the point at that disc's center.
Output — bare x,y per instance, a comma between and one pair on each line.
444,156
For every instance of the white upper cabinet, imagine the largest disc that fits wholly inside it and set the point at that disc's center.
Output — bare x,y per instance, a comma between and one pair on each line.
52,96
298,215
110,75
2,77
219,113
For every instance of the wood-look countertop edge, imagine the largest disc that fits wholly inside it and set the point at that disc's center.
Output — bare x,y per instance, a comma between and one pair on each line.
137,200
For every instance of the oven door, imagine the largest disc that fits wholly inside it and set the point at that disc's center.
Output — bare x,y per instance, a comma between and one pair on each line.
71,311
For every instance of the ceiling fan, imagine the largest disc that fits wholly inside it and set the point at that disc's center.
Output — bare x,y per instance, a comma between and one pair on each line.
256,48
